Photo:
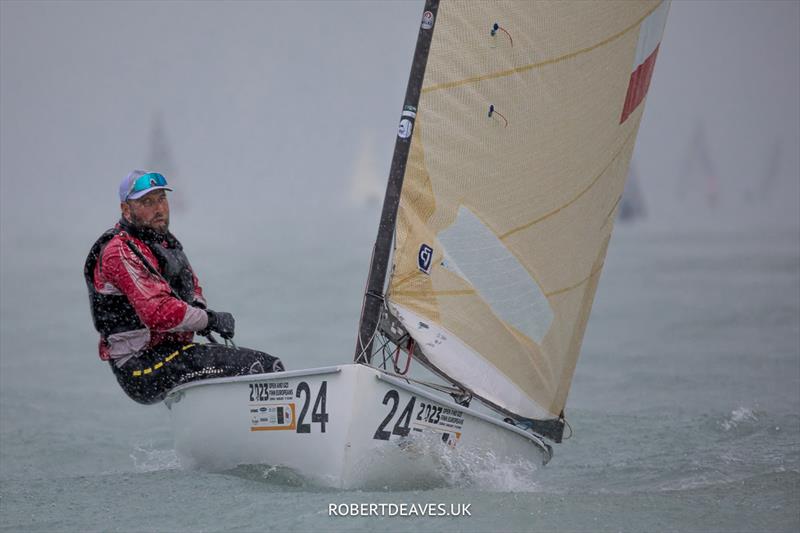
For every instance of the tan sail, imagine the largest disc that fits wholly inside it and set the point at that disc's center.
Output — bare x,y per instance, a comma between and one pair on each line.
505,217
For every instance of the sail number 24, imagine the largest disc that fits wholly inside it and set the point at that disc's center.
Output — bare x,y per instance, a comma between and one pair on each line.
427,413
318,413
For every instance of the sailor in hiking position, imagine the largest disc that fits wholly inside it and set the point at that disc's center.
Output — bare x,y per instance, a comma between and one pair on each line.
147,303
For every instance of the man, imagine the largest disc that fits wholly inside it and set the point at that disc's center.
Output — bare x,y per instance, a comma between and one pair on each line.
147,304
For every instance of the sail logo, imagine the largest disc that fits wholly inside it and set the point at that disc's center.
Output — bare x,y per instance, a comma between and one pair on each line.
407,122
404,130
425,258
427,20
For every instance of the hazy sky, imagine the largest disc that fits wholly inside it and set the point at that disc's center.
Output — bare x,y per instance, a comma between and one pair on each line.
269,107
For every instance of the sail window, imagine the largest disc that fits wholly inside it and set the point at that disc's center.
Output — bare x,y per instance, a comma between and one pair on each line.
484,261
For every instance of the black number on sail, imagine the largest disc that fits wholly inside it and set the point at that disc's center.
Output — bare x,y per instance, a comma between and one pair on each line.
403,425
301,427
380,434
318,414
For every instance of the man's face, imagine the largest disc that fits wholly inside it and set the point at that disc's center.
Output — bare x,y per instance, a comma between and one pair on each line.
150,211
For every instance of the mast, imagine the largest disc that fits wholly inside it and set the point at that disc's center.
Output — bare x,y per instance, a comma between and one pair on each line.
373,297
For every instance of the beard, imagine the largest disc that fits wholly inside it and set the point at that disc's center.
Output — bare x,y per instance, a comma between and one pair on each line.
161,226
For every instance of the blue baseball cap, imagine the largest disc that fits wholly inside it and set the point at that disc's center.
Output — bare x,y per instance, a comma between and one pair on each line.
140,182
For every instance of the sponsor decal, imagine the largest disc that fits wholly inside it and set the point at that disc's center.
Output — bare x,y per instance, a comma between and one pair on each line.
280,412
405,128
424,258
427,20
451,439
275,418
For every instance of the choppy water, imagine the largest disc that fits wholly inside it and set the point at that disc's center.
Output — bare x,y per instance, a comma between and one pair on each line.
685,404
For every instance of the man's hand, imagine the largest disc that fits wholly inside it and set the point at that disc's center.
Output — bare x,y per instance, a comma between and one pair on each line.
221,322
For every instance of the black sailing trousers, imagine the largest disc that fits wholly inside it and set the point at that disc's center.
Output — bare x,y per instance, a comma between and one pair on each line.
147,378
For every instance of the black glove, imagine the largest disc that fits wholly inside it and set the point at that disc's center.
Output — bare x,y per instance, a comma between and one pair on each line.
221,322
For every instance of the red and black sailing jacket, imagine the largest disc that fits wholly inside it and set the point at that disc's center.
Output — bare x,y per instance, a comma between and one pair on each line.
142,291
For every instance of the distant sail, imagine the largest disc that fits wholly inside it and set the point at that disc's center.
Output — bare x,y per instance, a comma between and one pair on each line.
519,152
366,185
631,205
699,176
160,159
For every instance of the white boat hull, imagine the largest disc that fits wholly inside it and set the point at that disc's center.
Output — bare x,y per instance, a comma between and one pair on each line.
348,426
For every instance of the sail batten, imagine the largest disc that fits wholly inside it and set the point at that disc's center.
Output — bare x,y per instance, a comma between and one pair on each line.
518,158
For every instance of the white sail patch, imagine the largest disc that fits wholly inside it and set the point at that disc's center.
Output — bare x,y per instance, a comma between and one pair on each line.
650,34
484,261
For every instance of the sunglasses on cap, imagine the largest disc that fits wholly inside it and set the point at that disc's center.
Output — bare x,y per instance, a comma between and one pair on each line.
146,182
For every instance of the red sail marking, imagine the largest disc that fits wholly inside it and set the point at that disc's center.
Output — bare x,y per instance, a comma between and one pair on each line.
639,84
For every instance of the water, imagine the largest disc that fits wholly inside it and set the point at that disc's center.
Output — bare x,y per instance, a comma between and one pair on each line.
685,404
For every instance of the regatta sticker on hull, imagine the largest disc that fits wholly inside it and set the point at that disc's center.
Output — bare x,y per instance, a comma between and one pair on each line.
271,391
282,405
274,417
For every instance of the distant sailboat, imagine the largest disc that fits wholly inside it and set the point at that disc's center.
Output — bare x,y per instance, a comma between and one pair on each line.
366,188
160,159
632,206
699,176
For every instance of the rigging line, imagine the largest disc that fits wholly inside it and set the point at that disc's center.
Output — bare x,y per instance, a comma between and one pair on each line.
396,358
524,68
591,184
434,386
362,353
363,346
387,356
